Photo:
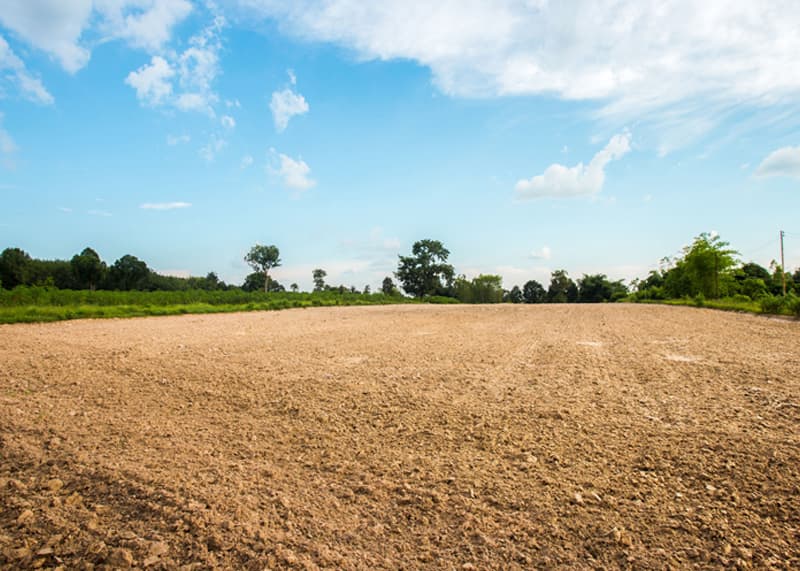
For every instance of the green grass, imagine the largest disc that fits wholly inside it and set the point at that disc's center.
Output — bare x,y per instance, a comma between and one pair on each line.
42,304
789,307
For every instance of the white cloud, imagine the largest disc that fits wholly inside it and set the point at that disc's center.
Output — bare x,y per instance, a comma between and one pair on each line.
213,148
543,253
164,205
152,81
295,173
53,26
292,76
559,181
782,162
285,105
185,80
247,160
103,213
228,122
635,58
58,27
173,140
146,24
31,87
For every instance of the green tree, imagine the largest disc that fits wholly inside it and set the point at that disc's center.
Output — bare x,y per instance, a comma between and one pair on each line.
562,289
263,259
515,295
294,287
89,270
425,272
598,288
487,289
319,279
533,292
15,268
708,264
388,287
129,273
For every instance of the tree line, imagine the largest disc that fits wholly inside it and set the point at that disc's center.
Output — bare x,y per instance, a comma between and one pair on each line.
426,273
706,269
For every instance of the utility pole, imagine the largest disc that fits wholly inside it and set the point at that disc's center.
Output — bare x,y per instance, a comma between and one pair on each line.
783,270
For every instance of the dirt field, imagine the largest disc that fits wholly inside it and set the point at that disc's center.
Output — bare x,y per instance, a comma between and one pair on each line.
405,437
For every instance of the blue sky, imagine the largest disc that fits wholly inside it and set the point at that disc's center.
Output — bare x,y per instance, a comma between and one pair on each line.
594,136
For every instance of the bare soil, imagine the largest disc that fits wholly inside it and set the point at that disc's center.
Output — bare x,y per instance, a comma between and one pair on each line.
405,437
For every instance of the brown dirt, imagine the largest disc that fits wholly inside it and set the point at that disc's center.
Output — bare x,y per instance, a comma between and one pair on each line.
410,437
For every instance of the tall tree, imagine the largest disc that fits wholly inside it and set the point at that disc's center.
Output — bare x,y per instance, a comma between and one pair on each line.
515,295
708,265
129,273
388,287
533,292
319,279
422,273
598,288
263,259
88,269
562,289
15,268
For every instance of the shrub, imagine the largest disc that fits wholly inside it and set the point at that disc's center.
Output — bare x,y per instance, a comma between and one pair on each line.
772,304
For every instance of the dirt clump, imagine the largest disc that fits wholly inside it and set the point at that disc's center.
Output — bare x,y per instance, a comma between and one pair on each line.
414,437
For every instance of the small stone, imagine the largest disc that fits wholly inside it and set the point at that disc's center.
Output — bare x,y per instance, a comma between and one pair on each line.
45,551
55,485
26,517
466,566
158,549
74,500
121,558
578,498
745,553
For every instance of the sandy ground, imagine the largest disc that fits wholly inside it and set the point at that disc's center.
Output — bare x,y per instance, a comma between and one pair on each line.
410,437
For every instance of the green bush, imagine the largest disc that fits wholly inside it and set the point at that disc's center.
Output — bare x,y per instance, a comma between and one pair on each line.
772,304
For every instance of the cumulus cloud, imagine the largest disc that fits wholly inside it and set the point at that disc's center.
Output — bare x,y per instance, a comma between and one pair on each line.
228,122
247,160
152,81
782,162
183,80
559,181
636,58
31,87
58,27
146,24
164,205
294,173
285,105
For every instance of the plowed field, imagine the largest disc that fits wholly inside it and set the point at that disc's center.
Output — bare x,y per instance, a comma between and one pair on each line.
403,437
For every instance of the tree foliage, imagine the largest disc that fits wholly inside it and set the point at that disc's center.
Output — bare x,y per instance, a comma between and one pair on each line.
562,289
89,270
533,292
425,272
318,276
388,287
262,259
598,288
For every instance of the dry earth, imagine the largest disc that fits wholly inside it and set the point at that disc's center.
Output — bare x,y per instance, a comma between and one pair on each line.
410,437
